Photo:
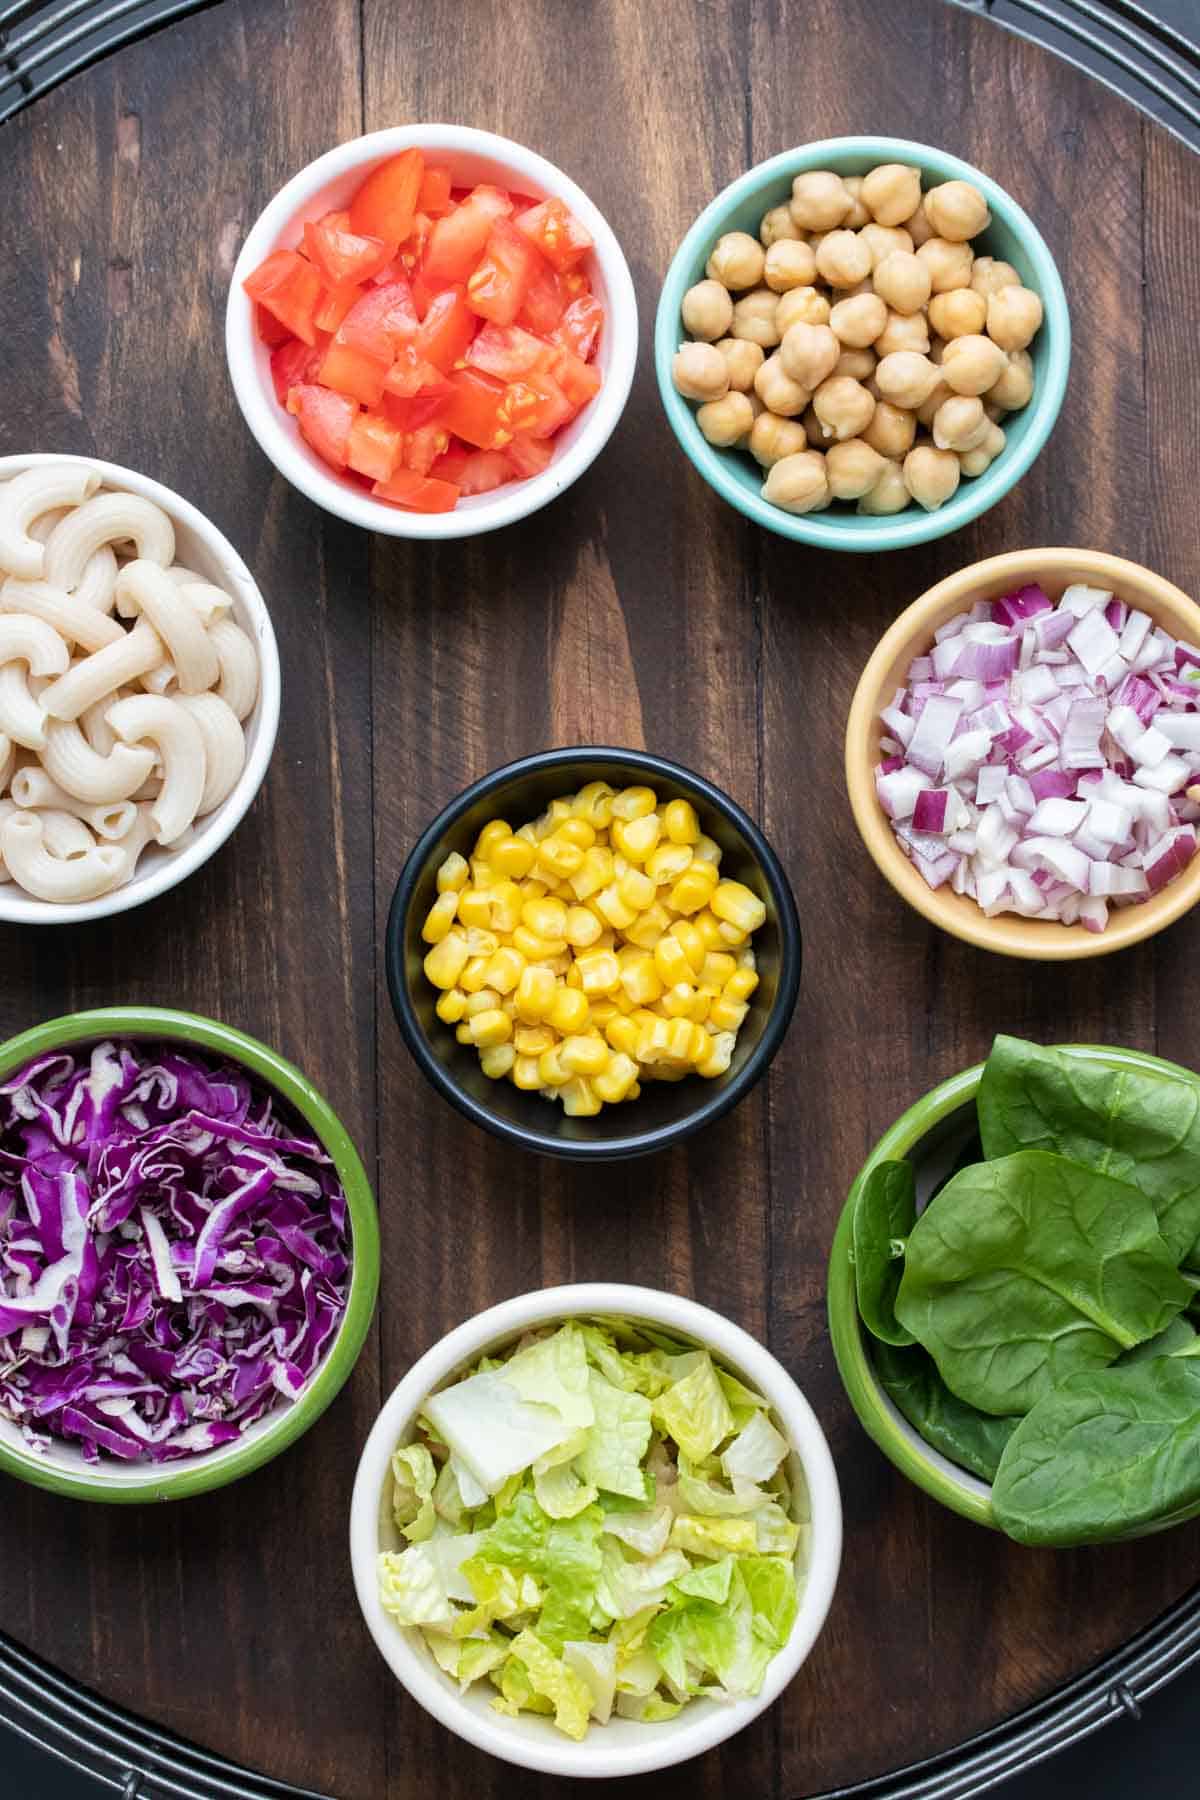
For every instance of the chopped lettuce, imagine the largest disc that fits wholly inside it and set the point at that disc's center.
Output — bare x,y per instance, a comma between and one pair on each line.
414,1478
695,1412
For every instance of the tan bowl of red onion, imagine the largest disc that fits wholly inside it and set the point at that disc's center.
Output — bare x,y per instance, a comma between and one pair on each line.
1023,754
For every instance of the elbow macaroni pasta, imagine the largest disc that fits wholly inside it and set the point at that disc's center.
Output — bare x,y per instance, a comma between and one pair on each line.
123,684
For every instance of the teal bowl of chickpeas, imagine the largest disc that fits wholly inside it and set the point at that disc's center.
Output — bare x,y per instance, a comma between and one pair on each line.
863,343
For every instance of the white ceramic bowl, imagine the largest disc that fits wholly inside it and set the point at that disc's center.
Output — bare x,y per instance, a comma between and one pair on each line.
201,547
623,1746
472,156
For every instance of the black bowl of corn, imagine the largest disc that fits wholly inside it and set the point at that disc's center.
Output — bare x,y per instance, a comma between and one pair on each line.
593,953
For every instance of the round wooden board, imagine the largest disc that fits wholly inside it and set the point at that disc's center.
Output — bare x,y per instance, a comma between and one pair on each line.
635,610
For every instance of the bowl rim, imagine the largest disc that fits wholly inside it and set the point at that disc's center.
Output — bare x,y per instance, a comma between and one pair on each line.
930,1470
972,498
262,413
631,1143
19,908
1006,935
665,1745
166,1481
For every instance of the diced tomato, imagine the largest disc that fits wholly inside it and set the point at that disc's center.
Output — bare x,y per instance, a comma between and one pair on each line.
344,255
411,413
374,446
270,329
325,420
353,371
382,321
554,230
507,352
555,408
410,375
545,302
384,205
289,288
421,448
450,466
419,493
496,290
446,330
471,409
434,194
528,455
334,304
579,381
579,328
457,240
485,470
292,364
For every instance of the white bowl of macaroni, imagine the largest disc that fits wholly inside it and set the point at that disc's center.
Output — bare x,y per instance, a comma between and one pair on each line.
139,689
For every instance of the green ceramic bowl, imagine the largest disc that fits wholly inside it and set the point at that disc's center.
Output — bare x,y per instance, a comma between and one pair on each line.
1011,236
932,1135
62,1469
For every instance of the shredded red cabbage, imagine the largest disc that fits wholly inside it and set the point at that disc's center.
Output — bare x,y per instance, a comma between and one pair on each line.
174,1257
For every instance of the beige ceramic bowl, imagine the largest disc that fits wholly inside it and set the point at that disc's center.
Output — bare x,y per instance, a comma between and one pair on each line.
912,635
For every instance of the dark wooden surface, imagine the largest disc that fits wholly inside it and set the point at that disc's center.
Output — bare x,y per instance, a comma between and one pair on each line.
636,610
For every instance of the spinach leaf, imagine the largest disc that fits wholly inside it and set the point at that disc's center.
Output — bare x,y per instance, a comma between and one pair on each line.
1179,1339
1138,1127
884,1214
1024,1270
968,1437
1108,1450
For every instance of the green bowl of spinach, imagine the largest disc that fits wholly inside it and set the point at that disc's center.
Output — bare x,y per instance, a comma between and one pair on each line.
1014,1293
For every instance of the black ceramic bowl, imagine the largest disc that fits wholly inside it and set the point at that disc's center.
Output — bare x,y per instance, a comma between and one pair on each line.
665,1112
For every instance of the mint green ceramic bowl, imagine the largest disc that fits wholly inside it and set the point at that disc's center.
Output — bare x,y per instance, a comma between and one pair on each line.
1011,236
62,1469
932,1135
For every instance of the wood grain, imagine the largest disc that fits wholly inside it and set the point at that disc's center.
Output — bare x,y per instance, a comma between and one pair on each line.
636,610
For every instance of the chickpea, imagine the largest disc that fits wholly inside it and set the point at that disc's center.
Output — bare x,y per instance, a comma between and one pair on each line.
852,468
754,318
959,423
858,320
778,225
819,200
906,377
988,276
797,483
949,264
884,240
1014,316
903,331
927,411
892,430
743,361
728,420
889,494
902,280
959,313
972,364
773,438
699,372
858,216
789,264
736,260
892,192
918,227
974,462
931,476
860,364
707,309
778,392
808,353
843,259
957,211
1014,389
843,406
805,305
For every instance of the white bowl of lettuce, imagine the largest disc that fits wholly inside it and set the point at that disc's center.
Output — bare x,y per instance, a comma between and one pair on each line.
596,1530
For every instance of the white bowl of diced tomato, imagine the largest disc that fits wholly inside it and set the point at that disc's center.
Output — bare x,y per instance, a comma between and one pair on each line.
431,331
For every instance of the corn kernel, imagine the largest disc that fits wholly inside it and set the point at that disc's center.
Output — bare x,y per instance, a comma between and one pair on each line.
599,972
602,1011
702,1045
581,928
579,1100
559,857
569,1012
709,928
535,994
634,803
726,1015
550,1067
489,1028
636,889
474,976
595,872
483,1001
617,1081
719,1057
622,1034
483,876
612,909
700,1006
680,822
671,961
638,837
594,803
652,1040
504,969
496,1060
463,1032
680,1039
513,857
440,917
492,834
481,943
732,936
545,917
507,901
677,1001
447,960
695,949
693,889
573,978
528,833
734,902
667,862
718,968
475,907
452,874
741,984
639,979
525,1073
706,851
532,889
578,832
584,1055
649,926
451,1006
531,1040
537,949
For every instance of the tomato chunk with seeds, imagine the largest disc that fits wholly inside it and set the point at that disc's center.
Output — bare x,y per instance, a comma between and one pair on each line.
293,364
446,330
325,420
344,255
483,471
579,328
374,446
289,288
554,230
384,205
497,287
381,321
528,455
434,195
456,241
508,352
471,410
419,493
352,371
